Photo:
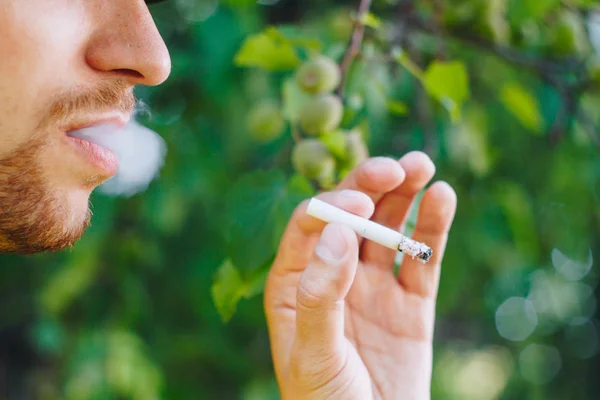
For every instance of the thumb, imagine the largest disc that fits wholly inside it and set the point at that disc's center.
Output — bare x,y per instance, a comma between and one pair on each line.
320,295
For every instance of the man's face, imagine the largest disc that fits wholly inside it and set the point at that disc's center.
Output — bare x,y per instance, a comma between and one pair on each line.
64,65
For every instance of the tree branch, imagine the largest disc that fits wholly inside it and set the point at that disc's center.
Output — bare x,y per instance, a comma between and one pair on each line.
507,53
555,72
354,45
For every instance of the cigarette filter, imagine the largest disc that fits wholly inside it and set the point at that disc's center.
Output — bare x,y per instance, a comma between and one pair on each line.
369,230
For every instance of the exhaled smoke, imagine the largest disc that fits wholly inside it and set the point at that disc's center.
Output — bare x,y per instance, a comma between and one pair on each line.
140,150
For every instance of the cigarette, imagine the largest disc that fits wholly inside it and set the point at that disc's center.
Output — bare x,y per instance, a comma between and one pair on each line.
369,230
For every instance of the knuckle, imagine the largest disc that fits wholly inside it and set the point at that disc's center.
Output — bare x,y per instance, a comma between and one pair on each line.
309,295
312,370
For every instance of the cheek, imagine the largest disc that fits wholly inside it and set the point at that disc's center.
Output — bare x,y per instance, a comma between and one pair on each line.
40,54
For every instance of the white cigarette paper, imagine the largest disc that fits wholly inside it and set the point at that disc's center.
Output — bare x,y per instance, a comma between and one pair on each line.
369,230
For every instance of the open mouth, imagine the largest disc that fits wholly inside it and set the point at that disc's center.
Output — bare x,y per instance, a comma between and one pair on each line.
95,154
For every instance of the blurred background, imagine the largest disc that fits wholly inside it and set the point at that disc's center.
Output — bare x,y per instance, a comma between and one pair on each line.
162,297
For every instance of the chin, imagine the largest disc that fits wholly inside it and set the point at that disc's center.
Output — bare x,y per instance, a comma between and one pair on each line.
74,217
51,224
79,201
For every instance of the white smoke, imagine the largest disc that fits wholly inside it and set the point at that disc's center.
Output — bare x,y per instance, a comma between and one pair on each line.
140,150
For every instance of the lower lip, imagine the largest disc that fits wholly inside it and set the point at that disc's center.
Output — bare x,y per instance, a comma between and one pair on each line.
100,157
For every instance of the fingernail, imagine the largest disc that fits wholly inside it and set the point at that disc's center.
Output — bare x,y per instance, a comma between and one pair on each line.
352,194
332,246
380,165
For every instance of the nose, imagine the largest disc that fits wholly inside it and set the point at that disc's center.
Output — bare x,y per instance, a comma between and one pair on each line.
127,43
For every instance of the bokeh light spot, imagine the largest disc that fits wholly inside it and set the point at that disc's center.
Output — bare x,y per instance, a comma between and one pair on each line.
516,319
570,269
539,364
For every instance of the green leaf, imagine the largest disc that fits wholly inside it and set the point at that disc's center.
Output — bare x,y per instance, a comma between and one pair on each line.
259,206
397,107
298,38
269,50
255,284
227,289
523,105
371,21
448,83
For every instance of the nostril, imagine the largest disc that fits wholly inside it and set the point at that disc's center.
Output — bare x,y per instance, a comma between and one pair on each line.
130,73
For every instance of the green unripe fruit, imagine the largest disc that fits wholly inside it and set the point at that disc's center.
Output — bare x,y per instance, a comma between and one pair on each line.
321,115
265,122
319,75
311,158
569,36
356,149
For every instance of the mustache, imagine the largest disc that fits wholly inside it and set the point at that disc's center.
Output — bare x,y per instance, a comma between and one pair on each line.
116,95
141,151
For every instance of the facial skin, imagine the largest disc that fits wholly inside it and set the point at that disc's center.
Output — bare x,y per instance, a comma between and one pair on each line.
64,64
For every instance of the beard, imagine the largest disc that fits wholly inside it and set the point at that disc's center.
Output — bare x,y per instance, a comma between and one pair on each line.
33,219
35,215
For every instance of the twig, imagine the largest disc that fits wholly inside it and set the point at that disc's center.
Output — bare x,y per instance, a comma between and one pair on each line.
354,45
438,28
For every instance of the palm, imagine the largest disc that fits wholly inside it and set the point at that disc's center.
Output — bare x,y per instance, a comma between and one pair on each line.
390,330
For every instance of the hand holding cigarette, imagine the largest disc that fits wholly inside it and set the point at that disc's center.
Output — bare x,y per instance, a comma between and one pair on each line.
342,323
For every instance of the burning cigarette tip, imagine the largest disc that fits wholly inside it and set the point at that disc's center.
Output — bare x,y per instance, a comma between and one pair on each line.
425,255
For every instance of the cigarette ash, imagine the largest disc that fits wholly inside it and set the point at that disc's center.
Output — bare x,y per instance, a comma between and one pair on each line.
415,249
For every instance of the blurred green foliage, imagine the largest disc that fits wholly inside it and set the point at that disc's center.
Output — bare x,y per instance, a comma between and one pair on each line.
503,94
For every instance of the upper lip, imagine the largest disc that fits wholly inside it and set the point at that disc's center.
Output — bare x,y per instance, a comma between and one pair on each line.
119,120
